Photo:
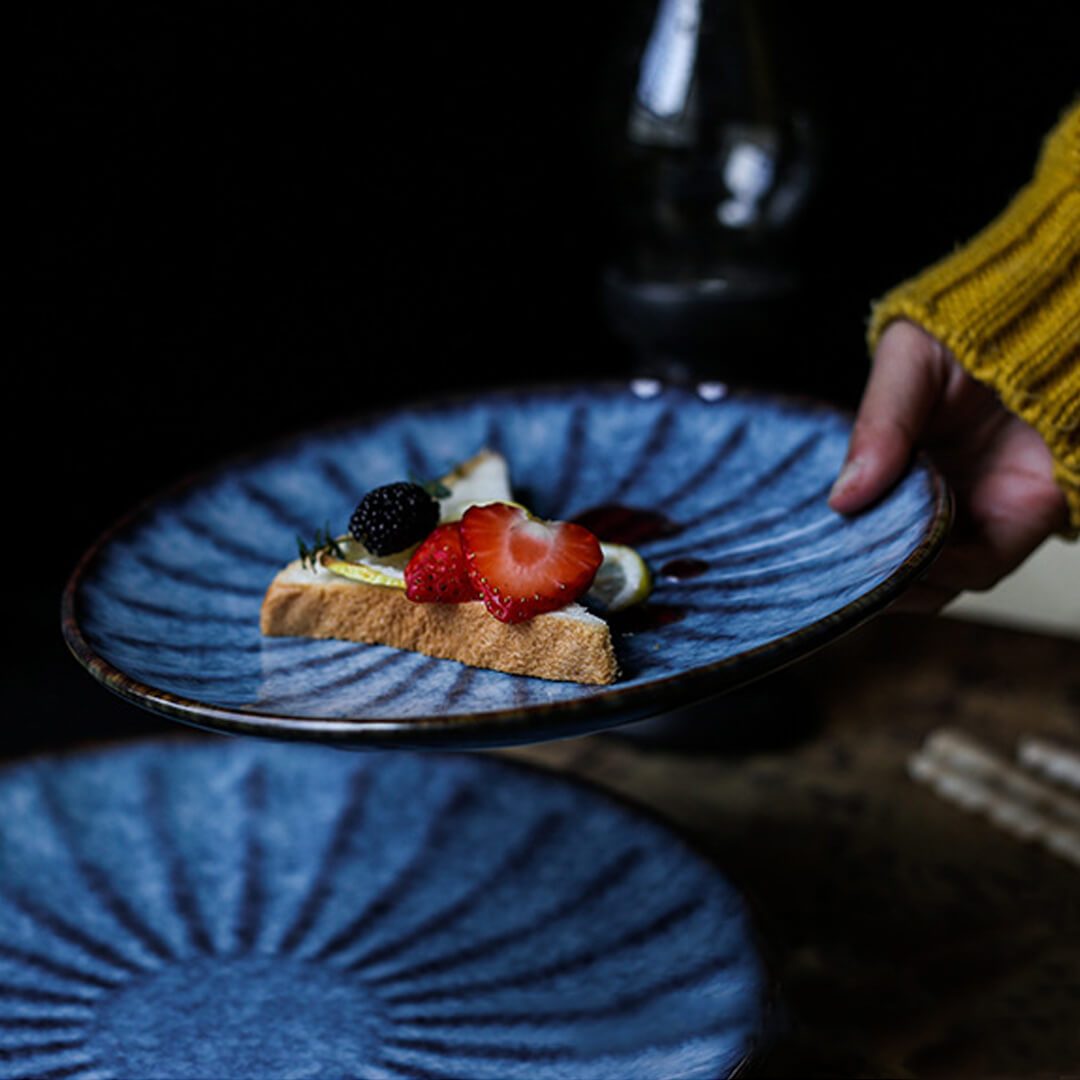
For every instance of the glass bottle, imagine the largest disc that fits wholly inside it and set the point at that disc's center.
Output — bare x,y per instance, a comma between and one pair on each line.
710,163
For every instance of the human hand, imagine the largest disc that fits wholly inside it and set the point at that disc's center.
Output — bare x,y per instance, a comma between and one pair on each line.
999,468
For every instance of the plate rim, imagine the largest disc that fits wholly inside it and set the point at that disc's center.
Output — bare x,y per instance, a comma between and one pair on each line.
611,706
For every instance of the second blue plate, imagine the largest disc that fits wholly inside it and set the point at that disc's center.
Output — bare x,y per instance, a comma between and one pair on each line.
242,909
723,493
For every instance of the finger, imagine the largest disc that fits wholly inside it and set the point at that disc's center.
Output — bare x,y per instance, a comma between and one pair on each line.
1012,513
905,383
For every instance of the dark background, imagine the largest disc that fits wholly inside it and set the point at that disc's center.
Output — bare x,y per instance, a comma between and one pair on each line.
247,220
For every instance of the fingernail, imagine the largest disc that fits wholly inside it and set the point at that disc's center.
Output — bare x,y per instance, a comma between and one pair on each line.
847,474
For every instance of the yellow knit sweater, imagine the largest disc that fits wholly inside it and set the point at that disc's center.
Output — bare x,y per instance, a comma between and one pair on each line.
1007,304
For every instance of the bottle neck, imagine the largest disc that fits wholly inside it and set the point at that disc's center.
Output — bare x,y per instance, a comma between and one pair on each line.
713,165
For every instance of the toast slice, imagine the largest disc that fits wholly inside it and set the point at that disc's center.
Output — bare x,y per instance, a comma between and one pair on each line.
570,644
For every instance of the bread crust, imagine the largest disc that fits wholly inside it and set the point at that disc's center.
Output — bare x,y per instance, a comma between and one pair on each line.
564,646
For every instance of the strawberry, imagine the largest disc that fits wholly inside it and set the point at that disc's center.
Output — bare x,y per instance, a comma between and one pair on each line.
522,566
438,573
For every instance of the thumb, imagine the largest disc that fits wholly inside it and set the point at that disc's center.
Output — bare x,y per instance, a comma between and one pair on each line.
908,377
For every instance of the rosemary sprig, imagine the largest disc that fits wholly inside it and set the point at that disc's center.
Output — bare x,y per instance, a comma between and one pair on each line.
324,541
435,488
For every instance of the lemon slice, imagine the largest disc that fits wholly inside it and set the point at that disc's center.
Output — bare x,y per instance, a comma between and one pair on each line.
622,580
359,564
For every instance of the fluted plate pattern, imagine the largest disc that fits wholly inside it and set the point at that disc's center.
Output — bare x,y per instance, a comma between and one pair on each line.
164,609
190,908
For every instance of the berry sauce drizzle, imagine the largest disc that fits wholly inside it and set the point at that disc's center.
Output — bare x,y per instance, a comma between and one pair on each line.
643,617
617,524
681,569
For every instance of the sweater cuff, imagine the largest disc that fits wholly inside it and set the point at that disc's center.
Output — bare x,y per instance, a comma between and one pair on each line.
1007,305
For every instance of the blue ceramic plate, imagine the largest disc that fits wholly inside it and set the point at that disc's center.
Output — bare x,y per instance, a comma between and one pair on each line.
239,908
724,495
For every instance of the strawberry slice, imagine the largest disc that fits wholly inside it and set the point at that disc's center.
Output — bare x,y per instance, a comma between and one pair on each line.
522,566
438,572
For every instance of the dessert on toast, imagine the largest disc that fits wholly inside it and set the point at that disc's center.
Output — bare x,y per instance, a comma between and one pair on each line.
458,570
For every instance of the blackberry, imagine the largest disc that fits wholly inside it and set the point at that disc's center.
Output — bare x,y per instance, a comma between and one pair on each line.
393,517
